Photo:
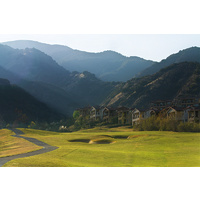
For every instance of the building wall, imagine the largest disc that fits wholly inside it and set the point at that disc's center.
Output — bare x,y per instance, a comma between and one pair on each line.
124,117
194,116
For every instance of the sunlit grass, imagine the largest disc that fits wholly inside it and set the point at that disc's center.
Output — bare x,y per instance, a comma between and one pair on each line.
126,149
12,146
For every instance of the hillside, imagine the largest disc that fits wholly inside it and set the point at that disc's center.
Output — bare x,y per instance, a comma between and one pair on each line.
89,89
53,96
6,74
107,65
181,79
4,82
187,55
18,106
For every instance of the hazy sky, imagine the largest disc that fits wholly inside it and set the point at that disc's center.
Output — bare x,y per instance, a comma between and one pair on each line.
149,46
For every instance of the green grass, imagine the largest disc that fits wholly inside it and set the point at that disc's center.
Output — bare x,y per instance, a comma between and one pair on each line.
127,148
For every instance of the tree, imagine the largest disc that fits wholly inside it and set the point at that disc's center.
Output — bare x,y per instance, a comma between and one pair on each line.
76,114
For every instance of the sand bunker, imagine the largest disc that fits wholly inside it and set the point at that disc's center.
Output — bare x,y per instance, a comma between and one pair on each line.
102,141
94,141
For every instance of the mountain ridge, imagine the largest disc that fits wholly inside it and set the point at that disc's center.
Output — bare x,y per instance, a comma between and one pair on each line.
191,54
105,65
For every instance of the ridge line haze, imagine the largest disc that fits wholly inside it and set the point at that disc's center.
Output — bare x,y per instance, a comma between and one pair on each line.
107,65
149,46
91,52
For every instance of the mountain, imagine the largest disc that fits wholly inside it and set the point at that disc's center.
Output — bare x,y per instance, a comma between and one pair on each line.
50,83
16,105
107,65
176,80
65,91
190,55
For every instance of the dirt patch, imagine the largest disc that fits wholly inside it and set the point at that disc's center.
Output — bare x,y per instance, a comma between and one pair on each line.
116,98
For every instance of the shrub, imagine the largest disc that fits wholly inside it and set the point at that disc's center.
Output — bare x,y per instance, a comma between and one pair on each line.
156,123
76,114
188,127
32,125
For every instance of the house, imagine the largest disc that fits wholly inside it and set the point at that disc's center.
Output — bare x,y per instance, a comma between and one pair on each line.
109,114
194,114
185,102
124,115
151,112
137,116
96,113
177,113
161,104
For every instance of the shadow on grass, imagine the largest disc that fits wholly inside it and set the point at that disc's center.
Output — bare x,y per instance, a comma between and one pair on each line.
106,136
80,140
120,136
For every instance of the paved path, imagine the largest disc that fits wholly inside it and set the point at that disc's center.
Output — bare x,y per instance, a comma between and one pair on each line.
46,148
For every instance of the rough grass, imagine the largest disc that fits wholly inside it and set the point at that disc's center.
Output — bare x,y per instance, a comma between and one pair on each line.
12,146
139,149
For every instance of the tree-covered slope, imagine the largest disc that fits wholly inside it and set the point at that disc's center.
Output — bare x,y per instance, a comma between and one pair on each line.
18,106
181,79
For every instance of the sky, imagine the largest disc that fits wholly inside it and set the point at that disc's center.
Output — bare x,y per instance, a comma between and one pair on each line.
149,29
148,46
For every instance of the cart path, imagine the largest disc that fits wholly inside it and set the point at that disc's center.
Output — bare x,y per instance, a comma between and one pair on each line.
18,133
